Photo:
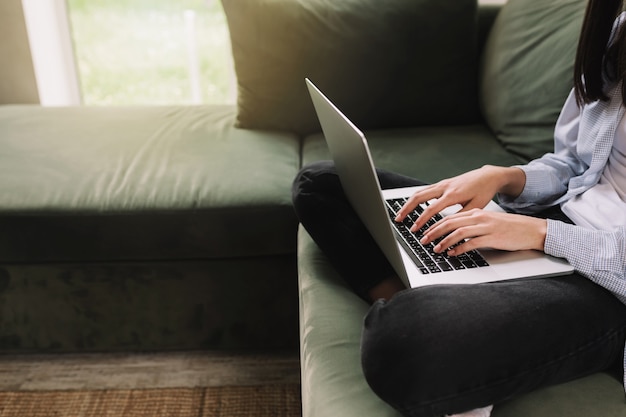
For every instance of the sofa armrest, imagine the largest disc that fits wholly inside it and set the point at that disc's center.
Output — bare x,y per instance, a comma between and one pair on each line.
331,318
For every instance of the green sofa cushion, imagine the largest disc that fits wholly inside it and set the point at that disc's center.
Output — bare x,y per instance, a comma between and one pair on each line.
418,152
527,71
331,317
142,183
385,63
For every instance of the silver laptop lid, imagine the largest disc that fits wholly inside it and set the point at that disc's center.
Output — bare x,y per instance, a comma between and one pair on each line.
353,161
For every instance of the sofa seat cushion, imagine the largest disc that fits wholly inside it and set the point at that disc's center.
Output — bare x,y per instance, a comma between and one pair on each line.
331,318
142,183
418,152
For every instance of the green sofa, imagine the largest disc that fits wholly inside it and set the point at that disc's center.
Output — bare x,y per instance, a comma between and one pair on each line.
145,229
171,227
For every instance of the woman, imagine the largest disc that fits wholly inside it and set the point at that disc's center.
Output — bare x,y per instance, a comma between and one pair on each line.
446,349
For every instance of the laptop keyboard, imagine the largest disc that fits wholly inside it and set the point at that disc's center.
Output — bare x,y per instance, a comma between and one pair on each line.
427,261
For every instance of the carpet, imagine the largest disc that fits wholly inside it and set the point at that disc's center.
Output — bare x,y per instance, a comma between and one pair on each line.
237,401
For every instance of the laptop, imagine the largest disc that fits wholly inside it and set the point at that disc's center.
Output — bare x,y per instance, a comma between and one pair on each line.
416,266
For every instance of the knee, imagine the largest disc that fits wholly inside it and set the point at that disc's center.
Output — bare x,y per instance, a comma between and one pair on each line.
310,173
311,179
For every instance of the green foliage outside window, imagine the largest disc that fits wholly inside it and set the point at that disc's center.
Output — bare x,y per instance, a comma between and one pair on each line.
135,52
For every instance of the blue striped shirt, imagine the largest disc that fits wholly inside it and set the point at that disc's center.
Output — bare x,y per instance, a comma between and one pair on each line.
583,142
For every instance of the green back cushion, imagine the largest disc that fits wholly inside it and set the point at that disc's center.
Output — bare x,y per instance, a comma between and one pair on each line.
384,63
527,71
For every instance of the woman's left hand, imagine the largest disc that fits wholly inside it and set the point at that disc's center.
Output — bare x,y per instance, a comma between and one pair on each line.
487,229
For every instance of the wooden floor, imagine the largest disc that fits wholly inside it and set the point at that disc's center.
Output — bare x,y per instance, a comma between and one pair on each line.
145,371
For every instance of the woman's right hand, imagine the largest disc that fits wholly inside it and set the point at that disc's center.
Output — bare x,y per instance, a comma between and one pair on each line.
471,190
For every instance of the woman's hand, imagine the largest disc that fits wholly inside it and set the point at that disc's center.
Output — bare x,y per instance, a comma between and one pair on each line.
486,229
471,190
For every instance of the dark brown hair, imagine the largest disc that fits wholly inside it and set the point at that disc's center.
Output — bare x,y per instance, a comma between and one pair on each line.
595,64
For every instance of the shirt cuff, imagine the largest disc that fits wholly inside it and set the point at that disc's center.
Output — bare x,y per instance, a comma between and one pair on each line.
533,182
556,239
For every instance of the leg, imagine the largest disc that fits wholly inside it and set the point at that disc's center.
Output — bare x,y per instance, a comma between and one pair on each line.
328,217
446,349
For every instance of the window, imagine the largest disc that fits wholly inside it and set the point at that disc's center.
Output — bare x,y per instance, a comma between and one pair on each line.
141,52
51,49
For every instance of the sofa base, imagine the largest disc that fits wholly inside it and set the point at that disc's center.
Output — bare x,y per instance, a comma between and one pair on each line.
220,304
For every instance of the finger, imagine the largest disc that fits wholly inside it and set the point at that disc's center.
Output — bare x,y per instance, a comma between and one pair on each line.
435,206
450,235
443,202
416,199
458,238
438,230
468,245
455,228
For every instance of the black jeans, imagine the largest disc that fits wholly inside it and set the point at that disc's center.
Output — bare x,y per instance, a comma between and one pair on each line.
444,349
